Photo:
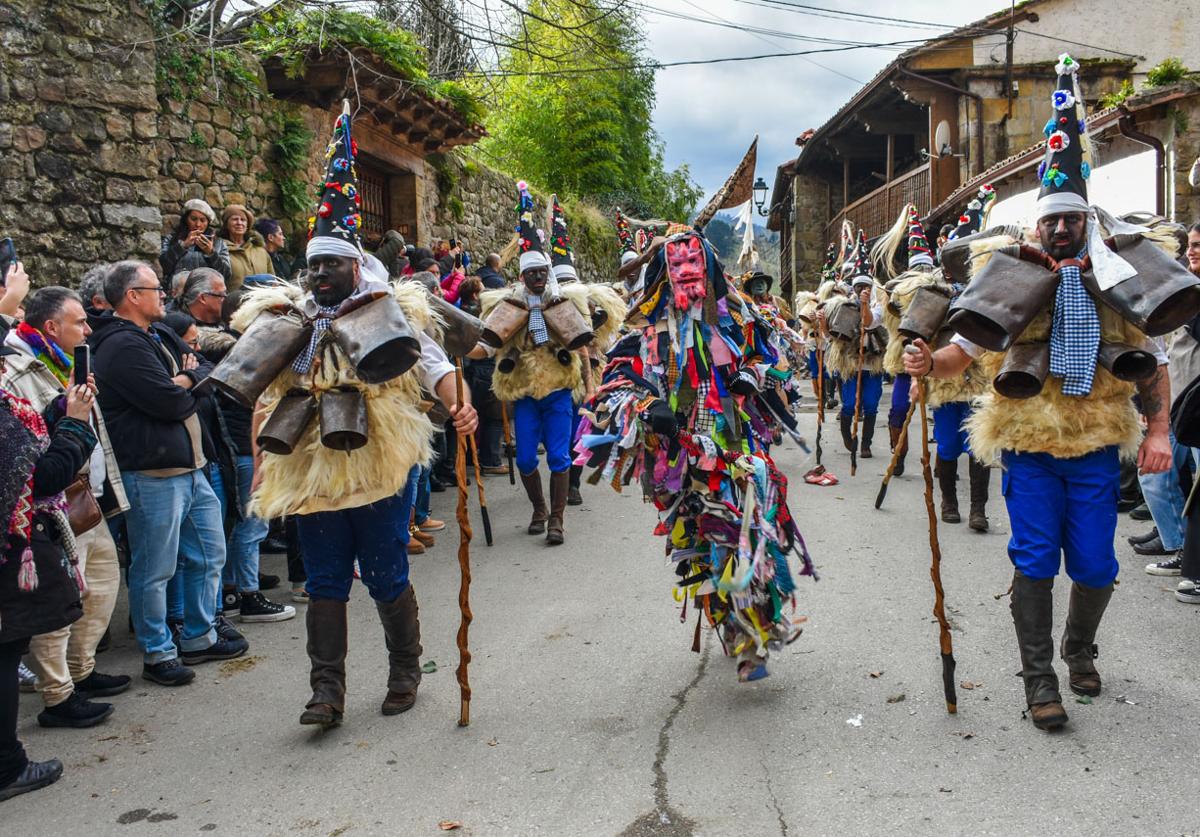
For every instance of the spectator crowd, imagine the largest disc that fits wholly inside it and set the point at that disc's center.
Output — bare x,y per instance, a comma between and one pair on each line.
128,475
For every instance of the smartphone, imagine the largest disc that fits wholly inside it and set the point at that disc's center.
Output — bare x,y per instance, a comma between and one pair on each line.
8,257
83,364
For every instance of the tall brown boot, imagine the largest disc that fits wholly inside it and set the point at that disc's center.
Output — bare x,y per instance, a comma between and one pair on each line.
559,486
1078,648
326,624
895,434
979,474
1033,616
574,498
947,474
402,636
533,487
868,435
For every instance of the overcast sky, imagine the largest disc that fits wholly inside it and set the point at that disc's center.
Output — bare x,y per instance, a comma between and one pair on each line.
708,114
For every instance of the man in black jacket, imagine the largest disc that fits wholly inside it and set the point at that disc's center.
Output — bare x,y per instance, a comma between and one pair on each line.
490,274
175,518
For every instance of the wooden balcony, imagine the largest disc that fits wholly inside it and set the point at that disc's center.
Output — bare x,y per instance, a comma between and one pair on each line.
876,211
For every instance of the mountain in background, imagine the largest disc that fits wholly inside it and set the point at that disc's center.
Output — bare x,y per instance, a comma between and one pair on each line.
727,240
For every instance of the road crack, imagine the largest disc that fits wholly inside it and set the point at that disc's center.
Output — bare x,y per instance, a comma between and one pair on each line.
783,826
665,821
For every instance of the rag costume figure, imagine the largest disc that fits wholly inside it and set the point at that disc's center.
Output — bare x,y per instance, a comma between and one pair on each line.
681,410
347,431
1063,358
864,297
537,371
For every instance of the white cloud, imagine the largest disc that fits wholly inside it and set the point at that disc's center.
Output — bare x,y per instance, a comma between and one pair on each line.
707,114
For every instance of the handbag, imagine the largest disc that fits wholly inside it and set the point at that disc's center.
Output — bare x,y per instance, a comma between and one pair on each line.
83,512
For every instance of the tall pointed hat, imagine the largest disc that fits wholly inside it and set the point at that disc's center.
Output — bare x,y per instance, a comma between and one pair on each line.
829,269
918,245
971,221
530,237
861,275
625,237
1067,165
562,257
336,227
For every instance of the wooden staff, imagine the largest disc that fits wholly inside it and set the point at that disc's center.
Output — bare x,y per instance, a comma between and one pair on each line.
858,398
509,450
901,441
820,393
935,567
470,441
464,566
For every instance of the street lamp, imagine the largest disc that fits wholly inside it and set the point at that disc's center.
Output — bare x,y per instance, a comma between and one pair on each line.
760,195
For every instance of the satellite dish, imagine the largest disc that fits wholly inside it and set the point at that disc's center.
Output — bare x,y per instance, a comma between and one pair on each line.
1194,174
941,136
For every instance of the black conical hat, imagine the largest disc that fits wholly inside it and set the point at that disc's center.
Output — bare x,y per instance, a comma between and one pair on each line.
971,221
1065,170
562,257
338,217
532,253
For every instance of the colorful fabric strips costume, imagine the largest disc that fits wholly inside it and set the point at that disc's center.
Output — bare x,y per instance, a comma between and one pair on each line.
681,409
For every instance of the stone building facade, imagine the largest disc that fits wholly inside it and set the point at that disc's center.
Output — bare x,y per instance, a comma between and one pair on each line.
103,137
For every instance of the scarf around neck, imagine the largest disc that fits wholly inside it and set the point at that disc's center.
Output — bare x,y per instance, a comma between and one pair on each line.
48,352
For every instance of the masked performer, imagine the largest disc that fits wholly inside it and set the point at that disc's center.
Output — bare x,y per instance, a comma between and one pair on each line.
338,370
845,320
1060,331
536,328
676,413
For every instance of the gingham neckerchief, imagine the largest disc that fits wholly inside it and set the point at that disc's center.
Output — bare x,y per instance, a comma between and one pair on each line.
537,323
1074,332
321,323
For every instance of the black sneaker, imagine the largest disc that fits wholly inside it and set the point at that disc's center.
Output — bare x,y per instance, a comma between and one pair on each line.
222,649
102,685
37,774
258,608
168,673
1172,566
273,546
1134,540
1154,546
231,602
76,712
266,581
226,631
1188,591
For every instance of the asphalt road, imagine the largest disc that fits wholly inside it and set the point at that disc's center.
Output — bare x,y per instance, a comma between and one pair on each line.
591,715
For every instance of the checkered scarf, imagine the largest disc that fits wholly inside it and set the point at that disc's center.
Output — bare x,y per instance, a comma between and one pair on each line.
321,323
1074,333
537,323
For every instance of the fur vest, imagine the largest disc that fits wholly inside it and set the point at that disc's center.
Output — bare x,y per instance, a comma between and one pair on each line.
537,371
315,478
1050,422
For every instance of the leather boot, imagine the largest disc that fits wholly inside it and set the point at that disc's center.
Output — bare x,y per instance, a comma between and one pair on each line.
979,474
895,433
867,434
947,474
326,624
1078,648
1033,616
574,498
533,487
847,424
558,503
402,636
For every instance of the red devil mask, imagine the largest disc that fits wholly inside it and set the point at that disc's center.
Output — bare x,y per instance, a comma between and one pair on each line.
687,268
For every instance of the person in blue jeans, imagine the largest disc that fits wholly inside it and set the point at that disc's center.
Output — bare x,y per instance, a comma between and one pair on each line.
1164,497
145,376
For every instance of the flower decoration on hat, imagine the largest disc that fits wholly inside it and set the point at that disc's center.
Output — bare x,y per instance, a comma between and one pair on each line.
562,257
337,214
530,243
1062,99
1058,141
1066,65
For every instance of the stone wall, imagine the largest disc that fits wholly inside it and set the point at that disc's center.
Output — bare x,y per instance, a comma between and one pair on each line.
78,120
103,138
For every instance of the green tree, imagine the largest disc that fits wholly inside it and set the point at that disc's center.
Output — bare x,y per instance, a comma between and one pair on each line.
571,110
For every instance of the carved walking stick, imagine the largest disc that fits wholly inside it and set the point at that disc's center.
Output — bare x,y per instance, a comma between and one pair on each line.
510,450
901,441
935,567
858,398
464,567
820,394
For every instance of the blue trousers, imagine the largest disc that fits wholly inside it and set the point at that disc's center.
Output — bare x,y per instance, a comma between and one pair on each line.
376,535
1063,507
174,527
1164,497
948,430
900,400
547,421
872,393
242,558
